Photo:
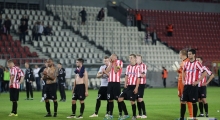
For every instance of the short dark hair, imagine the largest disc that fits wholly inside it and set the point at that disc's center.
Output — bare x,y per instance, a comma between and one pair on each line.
200,58
193,51
106,57
50,59
139,55
80,60
10,61
133,55
60,63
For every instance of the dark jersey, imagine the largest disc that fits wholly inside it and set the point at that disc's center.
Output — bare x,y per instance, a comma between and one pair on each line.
29,76
61,75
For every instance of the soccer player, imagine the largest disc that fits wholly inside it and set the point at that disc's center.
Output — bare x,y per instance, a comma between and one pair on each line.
50,75
102,94
43,80
132,80
80,88
183,57
61,81
29,78
16,78
140,101
202,90
113,90
190,81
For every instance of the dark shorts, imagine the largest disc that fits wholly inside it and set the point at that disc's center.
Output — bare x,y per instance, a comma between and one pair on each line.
50,91
79,92
202,92
102,94
14,94
128,93
141,91
190,93
113,90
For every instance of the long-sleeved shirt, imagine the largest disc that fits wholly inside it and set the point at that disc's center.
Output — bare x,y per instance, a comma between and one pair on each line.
29,76
61,75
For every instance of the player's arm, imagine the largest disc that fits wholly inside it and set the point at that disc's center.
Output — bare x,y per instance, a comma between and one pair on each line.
11,79
74,84
126,81
99,74
204,73
210,79
137,85
22,79
106,73
183,76
108,69
86,82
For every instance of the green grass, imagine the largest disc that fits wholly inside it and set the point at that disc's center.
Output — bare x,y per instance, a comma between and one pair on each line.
161,104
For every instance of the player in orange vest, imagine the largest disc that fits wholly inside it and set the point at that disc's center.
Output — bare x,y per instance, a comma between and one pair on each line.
164,76
169,30
183,57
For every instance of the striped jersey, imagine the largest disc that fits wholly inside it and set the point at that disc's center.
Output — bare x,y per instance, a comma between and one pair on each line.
133,73
204,79
192,70
115,77
143,70
17,73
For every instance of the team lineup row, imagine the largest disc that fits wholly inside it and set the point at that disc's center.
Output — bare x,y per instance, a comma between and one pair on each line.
191,79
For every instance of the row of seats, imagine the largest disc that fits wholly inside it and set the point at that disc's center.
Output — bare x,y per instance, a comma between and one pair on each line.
67,49
30,17
76,55
24,12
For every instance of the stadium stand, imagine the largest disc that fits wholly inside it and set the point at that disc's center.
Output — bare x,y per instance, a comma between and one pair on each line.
114,37
207,1
12,49
64,46
199,30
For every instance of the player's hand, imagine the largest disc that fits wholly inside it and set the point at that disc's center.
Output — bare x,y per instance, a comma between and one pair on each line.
135,91
125,85
204,84
195,83
183,81
44,72
86,93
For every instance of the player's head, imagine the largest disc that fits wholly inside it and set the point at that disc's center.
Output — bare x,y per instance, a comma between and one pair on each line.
79,62
183,54
50,62
36,66
26,64
114,57
10,63
59,65
132,59
45,63
199,59
163,68
191,54
138,59
106,60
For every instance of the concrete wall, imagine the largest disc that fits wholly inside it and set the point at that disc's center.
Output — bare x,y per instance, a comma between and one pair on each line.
142,4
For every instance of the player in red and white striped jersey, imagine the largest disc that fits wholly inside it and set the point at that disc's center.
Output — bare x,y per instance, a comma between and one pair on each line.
132,80
113,90
143,80
202,89
16,78
190,79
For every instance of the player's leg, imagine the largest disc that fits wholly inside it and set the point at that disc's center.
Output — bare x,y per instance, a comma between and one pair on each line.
73,115
110,98
42,93
122,104
98,103
14,98
47,103
117,92
183,99
82,107
54,97
64,93
204,100
194,98
190,108
200,103
82,97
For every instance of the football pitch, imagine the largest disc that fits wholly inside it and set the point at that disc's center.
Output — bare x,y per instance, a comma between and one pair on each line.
161,104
